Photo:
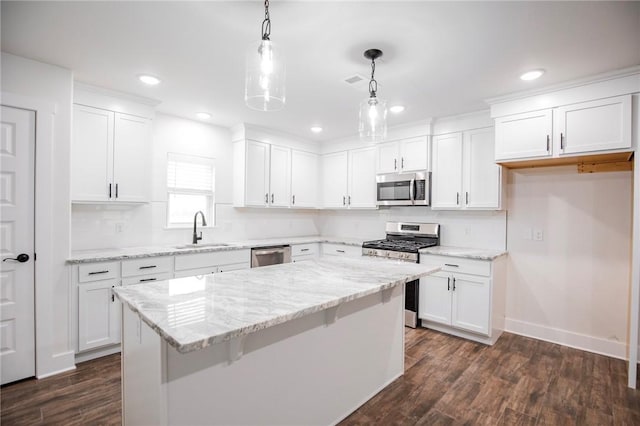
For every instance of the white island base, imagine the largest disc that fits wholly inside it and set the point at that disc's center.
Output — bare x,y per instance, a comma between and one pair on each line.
313,370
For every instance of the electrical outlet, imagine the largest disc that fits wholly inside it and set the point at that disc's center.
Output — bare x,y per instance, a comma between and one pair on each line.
538,235
467,231
119,227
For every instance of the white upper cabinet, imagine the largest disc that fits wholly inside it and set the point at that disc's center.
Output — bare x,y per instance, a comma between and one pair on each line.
349,179
405,155
599,125
362,178
525,135
583,128
334,179
304,179
267,175
465,175
280,176
255,173
110,156
447,171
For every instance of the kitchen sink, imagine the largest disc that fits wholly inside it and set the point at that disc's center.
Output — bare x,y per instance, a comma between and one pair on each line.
204,245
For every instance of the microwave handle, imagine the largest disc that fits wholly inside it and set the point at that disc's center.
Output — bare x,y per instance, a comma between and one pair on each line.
412,190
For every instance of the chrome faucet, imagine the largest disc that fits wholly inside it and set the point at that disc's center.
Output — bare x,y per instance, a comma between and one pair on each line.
197,238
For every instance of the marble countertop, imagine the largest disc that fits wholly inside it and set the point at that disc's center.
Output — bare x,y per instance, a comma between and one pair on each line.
192,313
90,256
466,252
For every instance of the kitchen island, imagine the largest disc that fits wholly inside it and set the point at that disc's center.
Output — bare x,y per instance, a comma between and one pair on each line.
302,343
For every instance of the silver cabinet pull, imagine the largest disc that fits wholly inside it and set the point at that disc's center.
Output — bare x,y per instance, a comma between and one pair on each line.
266,198
116,190
547,143
561,140
467,197
293,199
452,265
395,164
344,200
148,267
402,163
340,251
272,198
304,249
349,200
457,198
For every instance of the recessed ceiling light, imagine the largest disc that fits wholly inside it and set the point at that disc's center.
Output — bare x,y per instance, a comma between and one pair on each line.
316,129
396,109
531,75
203,115
149,79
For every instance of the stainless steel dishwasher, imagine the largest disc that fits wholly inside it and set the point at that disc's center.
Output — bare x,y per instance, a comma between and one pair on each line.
274,255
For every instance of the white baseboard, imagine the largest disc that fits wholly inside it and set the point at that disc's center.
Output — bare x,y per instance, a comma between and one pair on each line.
97,353
568,338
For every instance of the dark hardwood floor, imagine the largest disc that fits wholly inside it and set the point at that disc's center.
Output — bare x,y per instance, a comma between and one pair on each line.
447,381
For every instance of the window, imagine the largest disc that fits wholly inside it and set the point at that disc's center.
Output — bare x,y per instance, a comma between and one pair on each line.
190,187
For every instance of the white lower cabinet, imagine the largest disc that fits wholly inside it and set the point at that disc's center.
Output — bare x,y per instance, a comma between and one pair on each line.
98,315
332,249
466,298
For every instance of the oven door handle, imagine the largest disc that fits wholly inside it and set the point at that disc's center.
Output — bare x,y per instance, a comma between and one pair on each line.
412,190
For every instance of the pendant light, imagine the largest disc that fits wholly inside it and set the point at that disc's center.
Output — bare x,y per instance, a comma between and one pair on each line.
264,81
373,110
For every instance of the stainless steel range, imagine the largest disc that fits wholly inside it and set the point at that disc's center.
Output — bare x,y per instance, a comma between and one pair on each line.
403,241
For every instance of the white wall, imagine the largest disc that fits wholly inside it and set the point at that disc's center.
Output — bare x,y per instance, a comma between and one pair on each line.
39,82
572,287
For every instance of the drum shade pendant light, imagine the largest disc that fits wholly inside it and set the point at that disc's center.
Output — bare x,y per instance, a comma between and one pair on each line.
373,110
264,83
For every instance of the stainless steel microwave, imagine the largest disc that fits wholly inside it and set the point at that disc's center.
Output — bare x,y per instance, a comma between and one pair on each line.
406,189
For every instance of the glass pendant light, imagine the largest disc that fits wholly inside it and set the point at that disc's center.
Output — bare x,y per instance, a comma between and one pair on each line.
373,110
264,81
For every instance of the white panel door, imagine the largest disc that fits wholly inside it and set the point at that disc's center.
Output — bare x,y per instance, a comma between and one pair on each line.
257,170
17,337
447,171
594,126
525,135
131,158
98,315
471,303
334,180
280,176
481,173
414,154
92,154
387,157
434,303
362,178
304,179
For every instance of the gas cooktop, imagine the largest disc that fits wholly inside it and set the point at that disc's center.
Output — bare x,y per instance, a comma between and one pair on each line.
403,241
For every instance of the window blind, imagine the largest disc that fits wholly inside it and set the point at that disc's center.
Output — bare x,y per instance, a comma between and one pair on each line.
190,174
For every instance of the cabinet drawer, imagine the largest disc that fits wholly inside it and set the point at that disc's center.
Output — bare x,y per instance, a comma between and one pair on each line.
233,267
204,260
340,250
146,266
98,271
304,249
147,278
304,257
457,264
197,272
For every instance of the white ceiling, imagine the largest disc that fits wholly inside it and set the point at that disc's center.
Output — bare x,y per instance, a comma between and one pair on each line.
440,58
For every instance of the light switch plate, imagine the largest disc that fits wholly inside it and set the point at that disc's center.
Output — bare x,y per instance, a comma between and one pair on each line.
538,235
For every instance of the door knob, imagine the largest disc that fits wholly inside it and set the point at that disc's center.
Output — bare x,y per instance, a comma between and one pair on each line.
22,257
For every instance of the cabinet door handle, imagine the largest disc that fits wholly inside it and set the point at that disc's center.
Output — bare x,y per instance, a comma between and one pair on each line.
272,198
293,199
98,272
148,279
448,283
454,284
561,140
340,251
304,249
148,267
349,200
548,143
344,200
116,190
109,191
266,198
113,297
395,164
452,265
457,198
402,163
466,194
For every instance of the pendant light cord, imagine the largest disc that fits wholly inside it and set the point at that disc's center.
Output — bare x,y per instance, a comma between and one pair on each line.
266,24
373,84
